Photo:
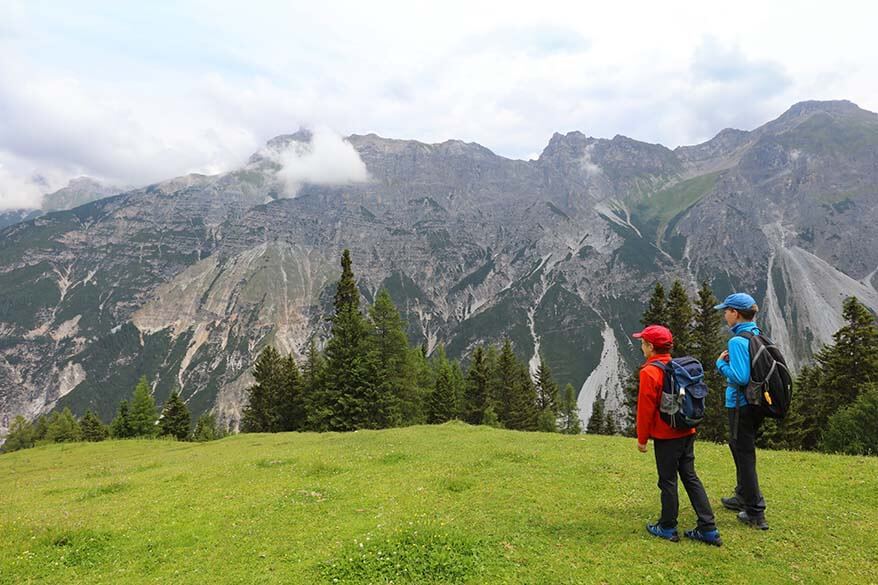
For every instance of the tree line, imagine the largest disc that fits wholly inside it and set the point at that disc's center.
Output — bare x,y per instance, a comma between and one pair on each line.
139,418
368,376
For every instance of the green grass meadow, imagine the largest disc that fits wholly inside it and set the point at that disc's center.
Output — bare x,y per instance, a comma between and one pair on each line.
441,504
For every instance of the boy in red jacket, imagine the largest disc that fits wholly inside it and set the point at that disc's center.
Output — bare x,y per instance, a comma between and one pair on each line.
674,448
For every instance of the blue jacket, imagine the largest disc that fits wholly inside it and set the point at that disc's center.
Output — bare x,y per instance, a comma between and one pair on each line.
737,369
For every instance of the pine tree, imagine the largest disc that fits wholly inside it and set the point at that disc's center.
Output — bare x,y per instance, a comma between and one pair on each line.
547,389
143,414
597,419
477,387
207,429
394,375
21,435
631,391
571,424
353,402
505,379
853,429
610,427
315,399
706,344
424,380
41,427
518,409
91,427
657,310
490,418
63,427
523,414
495,381
120,427
175,420
289,402
261,412
679,311
442,405
853,362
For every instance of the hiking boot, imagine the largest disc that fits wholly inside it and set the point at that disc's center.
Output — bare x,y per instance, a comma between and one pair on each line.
734,503
666,533
754,521
706,536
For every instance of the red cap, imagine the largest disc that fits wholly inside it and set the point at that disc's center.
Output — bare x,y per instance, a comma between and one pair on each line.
657,335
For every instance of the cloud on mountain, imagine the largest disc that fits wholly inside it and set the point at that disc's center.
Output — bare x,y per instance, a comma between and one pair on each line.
327,159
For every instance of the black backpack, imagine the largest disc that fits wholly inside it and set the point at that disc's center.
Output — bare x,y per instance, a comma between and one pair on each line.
771,384
683,392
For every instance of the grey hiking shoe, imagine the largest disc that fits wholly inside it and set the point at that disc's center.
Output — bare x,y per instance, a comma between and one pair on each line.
734,503
754,521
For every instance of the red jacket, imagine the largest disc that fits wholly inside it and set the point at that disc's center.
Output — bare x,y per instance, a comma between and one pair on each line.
649,423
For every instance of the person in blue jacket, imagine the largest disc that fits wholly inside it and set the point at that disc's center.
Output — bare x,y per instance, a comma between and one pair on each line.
744,420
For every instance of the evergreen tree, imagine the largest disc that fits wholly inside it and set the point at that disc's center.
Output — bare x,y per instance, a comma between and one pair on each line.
175,420
547,389
394,375
707,342
524,414
495,381
490,418
610,427
261,413
570,421
853,429
63,427
143,414
679,315
441,407
289,403
207,429
853,362
547,422
630,391
315,399
424,379
657,310
477,387
505,379
120,428
597,419
41,427
353,402
518,401
21,435
91,427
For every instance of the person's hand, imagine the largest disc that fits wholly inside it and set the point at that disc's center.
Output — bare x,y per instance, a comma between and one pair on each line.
641,447
724,356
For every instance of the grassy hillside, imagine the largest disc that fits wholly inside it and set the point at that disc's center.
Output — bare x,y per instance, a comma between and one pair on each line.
448,504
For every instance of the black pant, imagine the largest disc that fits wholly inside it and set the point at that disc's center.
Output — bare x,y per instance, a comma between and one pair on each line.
677,456
743,446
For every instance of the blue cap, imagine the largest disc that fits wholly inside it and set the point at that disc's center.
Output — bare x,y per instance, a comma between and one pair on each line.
740,301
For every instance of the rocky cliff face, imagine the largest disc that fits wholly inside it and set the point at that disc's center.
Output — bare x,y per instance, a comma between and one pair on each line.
186,280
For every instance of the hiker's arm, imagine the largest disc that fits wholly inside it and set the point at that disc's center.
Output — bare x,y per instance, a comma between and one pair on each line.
646,406
737,369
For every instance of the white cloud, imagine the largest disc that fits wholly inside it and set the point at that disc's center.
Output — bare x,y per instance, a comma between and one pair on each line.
132,94
327,159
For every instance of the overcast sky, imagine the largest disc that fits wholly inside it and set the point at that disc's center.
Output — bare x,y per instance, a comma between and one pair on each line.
135,92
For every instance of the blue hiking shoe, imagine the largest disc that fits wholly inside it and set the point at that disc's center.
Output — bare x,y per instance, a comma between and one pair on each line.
706,536
666,533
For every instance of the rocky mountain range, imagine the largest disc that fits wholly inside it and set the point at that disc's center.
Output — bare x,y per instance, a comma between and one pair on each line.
186,280
78,191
